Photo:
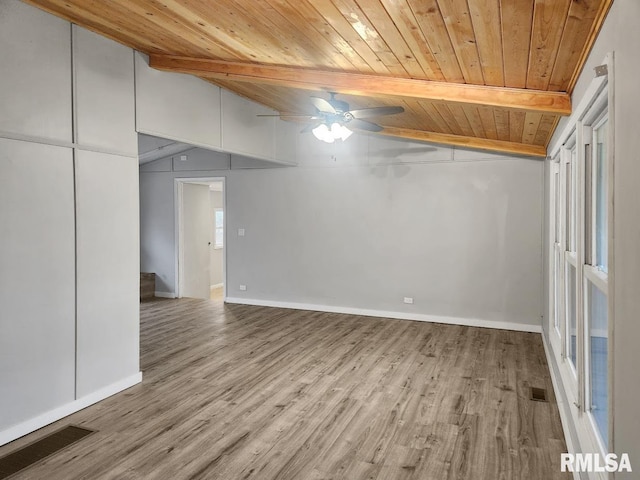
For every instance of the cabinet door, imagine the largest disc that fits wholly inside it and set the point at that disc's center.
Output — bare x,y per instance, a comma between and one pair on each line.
37,280
108,255
243,131
105,101
176,106
33,104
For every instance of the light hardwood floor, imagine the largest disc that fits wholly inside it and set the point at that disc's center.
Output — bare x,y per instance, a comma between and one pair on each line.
217,294
238,392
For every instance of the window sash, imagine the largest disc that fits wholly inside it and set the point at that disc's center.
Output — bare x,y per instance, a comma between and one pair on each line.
599,191
218,228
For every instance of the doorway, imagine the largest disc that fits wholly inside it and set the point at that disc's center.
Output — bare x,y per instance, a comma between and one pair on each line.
200,231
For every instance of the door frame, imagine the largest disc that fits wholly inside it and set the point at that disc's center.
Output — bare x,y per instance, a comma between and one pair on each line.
178,196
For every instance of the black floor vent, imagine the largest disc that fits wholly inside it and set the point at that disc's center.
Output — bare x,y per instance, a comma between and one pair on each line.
539,394
29,455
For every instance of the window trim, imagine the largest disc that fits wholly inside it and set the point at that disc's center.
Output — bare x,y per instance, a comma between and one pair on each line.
598,99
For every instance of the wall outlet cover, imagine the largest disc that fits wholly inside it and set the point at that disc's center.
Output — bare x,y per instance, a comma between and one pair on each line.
241,232
408,300
243,288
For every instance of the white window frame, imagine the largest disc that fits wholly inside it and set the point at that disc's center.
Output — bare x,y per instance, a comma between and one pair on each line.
595,118
597,103
218,240
569,253
556,317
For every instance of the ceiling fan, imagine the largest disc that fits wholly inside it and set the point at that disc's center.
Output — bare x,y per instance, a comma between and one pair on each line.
333,120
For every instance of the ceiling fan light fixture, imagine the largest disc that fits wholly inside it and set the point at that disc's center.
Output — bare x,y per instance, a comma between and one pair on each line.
328,134
322,132
339,131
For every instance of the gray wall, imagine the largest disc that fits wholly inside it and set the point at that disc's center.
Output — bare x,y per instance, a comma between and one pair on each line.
157,209
69,318
620,35
363,224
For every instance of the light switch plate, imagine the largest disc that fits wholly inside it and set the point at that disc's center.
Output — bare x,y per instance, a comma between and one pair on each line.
241,232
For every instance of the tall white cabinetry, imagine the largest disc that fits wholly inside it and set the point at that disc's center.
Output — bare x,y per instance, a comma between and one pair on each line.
68,219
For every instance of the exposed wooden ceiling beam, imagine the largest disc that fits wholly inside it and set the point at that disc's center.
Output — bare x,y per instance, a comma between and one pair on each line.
557,103
467,142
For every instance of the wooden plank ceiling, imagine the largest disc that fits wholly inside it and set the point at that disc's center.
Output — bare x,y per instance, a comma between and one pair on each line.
491,74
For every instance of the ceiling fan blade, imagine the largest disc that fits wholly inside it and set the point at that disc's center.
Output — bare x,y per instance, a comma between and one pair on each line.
309,127
322,105
364,125
287,115
376,111
304,118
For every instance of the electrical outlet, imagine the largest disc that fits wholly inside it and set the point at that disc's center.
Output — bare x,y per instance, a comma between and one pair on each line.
243,288
241,232
408,300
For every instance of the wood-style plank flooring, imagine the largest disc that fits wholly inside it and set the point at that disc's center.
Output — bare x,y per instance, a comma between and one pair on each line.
217,294
239,392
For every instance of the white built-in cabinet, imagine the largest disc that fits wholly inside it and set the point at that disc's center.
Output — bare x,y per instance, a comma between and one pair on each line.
243,131
287,134
187,109
107,269
37,285
175,106
35,78
104,93
69,219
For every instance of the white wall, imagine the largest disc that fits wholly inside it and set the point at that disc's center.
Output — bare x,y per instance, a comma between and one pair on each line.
69,219
364,224
621,36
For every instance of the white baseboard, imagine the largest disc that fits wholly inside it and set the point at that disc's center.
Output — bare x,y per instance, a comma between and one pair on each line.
217,285
165,294
470,322
56,414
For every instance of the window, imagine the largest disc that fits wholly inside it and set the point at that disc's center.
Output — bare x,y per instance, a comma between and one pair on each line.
555,195
599,353
596,277
580,322
570,254
600,194
218,228
572,321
